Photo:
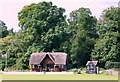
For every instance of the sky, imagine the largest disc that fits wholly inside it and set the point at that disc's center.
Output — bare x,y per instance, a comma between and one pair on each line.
9,8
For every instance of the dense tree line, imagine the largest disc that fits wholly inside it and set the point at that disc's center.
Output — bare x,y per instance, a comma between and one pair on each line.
107,45
45,28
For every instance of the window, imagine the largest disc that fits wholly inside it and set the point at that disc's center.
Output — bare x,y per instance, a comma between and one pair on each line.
91,67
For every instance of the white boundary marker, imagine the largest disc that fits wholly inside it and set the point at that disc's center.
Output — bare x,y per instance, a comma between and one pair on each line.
60,73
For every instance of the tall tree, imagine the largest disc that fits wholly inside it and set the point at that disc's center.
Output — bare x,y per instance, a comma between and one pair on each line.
82,30
44,25
40,20
3,29
107,46
15,47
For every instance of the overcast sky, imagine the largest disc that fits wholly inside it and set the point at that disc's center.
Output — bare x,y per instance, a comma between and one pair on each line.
9,8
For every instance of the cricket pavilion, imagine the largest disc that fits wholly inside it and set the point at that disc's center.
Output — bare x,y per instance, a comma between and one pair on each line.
48,62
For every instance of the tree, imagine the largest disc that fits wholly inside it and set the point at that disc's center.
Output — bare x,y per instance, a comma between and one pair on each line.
38,19
82,30
107,46
14,46
41,16
3,29
4,42
44,25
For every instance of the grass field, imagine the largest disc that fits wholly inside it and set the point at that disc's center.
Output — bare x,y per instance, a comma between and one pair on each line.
60,77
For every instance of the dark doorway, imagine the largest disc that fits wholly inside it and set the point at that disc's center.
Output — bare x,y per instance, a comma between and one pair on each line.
47,64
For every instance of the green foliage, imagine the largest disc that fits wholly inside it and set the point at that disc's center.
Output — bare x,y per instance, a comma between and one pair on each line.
44,25
107,46
3,30
14,47
42,20
44,29
82,31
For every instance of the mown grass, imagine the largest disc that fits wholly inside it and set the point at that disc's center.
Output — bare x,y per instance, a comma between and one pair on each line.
60,77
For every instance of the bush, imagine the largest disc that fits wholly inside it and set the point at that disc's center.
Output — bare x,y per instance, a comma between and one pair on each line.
101,69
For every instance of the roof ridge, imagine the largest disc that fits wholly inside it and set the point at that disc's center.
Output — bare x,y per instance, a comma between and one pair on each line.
56,57
51,57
